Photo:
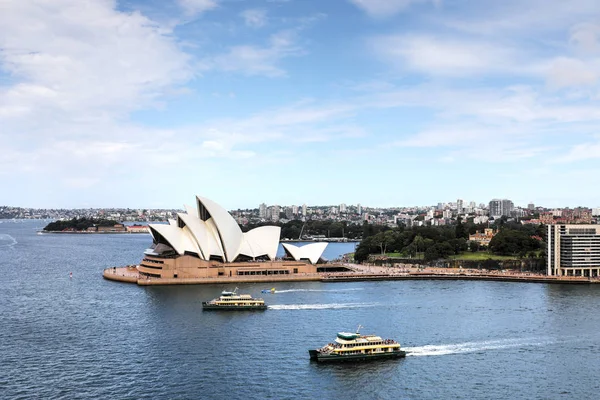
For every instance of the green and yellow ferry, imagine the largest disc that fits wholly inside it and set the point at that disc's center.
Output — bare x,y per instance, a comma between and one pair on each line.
357,347
231,301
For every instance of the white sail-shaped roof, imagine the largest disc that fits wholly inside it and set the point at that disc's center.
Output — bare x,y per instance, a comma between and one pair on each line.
229,231
205,236
311,252
191,210
210,231
261,241
181,240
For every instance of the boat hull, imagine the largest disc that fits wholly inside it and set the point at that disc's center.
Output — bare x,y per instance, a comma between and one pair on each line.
316,356
213,307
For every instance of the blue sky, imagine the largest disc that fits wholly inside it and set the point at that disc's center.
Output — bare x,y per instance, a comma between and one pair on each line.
379,102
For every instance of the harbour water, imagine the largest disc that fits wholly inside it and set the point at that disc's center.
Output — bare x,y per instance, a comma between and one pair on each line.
88,338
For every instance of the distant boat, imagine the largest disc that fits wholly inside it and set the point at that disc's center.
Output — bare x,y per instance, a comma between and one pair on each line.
231,301
272,290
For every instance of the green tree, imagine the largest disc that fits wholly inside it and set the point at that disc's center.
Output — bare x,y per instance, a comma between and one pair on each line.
474,246
460,230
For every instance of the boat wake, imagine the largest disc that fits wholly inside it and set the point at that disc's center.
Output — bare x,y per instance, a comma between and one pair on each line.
474,347
317,290
332,306
7,240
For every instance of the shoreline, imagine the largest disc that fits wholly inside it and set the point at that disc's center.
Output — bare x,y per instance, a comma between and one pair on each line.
129,274
89,233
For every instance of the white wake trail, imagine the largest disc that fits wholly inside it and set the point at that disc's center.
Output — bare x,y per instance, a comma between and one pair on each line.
10,241
331,306
472,347
316,290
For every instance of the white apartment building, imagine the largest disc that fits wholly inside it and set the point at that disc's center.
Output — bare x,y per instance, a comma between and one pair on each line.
574,250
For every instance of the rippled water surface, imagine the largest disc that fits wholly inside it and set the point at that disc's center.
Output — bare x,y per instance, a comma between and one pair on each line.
88,338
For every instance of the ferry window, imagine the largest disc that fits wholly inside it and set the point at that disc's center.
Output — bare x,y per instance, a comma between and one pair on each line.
295,270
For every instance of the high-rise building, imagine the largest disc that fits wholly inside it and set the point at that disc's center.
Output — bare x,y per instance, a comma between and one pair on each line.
342,208
262,211
574,250
359,209
501,207
275,213
459,206
295,210
304,210
531,206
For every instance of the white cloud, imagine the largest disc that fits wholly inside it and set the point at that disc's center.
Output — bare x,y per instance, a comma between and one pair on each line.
566,72
585,37
257,60
581,152
86,62
195,7
518,18
73,73
254,18
386,8
446,57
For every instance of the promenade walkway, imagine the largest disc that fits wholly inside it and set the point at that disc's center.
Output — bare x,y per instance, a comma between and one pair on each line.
358,272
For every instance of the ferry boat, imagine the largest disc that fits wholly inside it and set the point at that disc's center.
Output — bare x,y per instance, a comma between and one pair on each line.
357,347
233,301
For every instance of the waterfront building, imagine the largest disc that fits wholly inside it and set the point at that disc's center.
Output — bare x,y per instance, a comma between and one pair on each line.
500,207
574,250
483,238
137,228
596,212
206,242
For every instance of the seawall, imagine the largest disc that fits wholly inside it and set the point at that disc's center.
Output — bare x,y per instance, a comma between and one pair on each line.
129,274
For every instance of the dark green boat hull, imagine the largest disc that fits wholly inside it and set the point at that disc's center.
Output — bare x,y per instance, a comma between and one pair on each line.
315,356
212,307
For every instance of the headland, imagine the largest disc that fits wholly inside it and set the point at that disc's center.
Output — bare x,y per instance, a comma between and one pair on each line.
355,272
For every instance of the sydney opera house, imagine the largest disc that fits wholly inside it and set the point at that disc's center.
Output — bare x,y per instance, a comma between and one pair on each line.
206,241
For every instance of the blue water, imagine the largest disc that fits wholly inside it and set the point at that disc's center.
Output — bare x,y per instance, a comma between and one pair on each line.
88,338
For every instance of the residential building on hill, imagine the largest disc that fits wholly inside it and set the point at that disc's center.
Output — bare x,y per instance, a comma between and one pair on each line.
500,207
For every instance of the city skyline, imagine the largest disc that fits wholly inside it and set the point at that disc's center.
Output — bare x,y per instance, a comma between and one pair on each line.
140,104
